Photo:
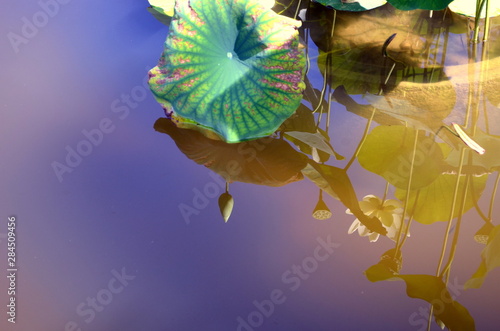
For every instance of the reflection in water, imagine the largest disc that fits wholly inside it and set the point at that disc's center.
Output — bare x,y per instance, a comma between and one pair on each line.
433,94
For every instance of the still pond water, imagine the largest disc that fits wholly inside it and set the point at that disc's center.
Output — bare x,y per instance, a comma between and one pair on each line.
116,229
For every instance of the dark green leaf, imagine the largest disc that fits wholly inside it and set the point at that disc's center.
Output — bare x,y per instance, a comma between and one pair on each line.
354,5
420,4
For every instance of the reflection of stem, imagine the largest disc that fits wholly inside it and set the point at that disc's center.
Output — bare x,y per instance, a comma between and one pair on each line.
486,22
368,124
476,206
447,267
401,239
445,241
327,64
329,109
479,8
408,191
453,204
490,211
385,192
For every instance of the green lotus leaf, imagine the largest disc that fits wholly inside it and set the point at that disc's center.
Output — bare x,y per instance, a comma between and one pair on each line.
234,68
420,4
388,152
490,259
352,5
434,202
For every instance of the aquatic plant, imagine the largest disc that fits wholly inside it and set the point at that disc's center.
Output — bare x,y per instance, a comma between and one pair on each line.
232,69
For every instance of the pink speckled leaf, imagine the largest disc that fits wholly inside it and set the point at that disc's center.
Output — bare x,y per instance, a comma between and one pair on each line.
233,68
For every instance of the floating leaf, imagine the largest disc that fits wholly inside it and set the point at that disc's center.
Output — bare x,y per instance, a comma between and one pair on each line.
264,161
352,5
420,4
431,289
388,152
490,259
232,69
335,182
435,200
468,8
226,204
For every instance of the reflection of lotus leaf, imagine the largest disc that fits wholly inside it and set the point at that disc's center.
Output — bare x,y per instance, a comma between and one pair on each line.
231,68
357,60
264,161
434,202
388,152
490,259
431,289
481,164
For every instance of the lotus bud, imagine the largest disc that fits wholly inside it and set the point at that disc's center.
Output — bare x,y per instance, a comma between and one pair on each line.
226,203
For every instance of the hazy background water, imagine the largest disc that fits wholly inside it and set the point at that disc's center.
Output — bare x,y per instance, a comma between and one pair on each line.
117,211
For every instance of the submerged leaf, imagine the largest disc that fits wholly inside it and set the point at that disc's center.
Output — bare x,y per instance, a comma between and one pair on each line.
231,68
490,259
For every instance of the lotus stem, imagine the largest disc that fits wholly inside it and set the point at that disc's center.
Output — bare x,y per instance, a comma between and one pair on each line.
486,22
297,10
479,8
